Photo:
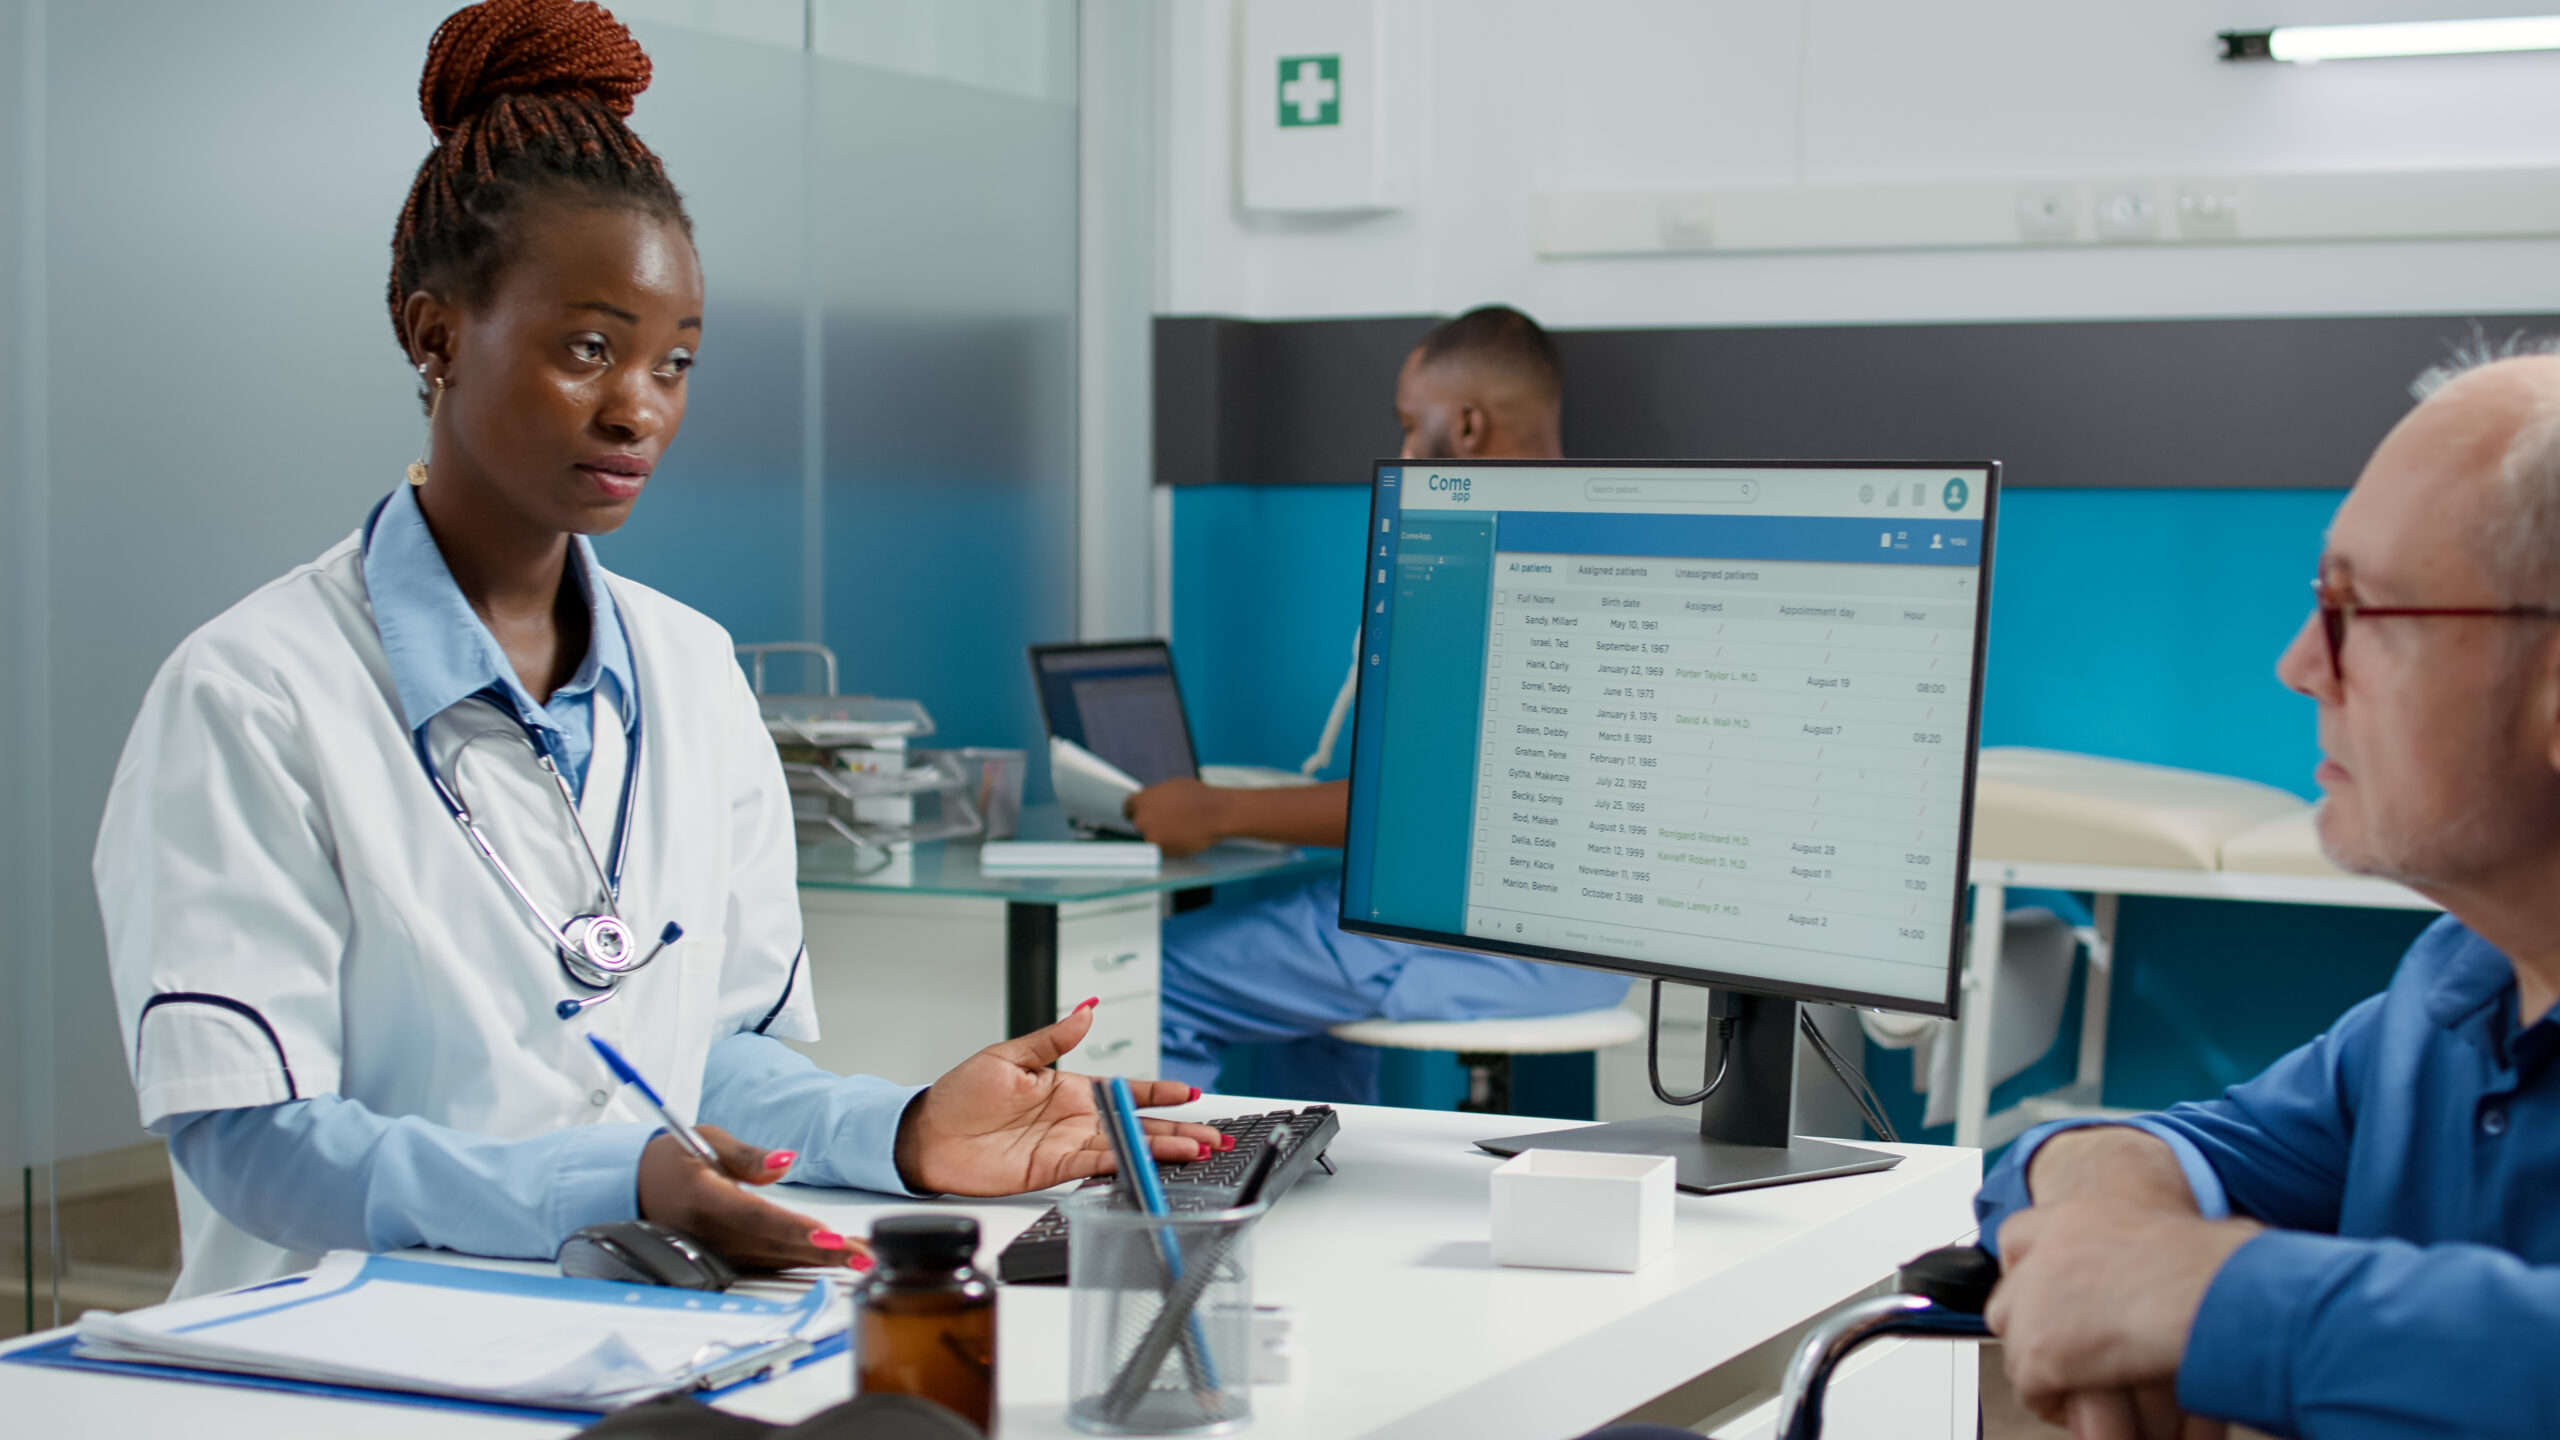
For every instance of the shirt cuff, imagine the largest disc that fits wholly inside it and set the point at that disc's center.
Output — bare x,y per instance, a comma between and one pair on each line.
2004,1191
2240,1351
596,1175
865,1148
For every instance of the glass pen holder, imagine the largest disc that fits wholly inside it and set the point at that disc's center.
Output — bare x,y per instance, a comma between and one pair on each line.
1160,1314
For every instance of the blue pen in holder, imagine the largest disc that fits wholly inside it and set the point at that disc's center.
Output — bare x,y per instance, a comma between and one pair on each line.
1148,1355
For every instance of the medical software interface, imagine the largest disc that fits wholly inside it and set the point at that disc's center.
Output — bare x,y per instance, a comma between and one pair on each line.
1707,720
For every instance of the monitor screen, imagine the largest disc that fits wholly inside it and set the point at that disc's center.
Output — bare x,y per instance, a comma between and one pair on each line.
1118,699
1712,721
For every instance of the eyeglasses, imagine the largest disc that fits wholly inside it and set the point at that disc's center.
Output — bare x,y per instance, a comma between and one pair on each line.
2338,608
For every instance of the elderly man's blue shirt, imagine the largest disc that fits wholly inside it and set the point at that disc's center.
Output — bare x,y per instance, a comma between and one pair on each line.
2410,1162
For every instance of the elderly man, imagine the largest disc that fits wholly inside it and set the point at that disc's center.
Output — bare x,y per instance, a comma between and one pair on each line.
2364,1240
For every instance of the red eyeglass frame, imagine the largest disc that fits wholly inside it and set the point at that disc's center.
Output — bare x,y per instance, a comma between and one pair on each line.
2339,609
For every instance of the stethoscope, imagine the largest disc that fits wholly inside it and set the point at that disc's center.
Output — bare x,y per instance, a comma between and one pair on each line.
595,947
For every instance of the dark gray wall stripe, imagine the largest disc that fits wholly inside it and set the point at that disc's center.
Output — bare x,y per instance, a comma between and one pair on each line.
2139,403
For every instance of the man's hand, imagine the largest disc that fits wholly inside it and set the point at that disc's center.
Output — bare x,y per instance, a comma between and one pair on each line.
750,1232
2094,1304
1181,816
1002,1122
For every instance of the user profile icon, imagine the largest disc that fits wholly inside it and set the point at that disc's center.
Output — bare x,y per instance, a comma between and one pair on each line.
1956,492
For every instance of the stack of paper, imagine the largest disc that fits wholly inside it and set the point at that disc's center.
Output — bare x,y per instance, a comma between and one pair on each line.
434,1329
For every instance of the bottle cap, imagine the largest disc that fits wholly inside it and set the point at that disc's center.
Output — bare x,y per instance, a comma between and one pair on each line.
929,1242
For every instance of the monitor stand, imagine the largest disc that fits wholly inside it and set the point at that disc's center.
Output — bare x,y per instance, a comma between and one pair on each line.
1741,1140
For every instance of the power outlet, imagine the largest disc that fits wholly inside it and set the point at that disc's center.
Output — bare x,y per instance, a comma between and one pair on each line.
2126,212
2048,213
1688,222
2209,209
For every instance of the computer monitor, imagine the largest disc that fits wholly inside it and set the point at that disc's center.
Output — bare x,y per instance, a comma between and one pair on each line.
1705,721
1118,699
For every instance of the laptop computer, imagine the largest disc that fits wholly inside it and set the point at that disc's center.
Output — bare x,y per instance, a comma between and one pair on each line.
1119,700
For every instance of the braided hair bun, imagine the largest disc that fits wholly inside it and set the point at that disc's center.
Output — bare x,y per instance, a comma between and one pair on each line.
527,100
528,47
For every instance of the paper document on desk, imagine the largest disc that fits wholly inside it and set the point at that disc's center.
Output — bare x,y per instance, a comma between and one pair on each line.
432,1329
1091,789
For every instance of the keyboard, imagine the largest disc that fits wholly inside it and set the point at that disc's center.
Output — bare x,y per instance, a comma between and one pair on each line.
1038,1256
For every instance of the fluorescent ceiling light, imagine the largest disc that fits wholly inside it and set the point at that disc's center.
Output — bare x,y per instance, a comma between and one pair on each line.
2306,44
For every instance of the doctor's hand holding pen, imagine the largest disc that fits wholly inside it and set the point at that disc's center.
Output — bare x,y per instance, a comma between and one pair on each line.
1002,1122
748,1231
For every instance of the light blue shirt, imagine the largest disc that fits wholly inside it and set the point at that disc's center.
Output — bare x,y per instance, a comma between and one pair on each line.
327,1173
442,654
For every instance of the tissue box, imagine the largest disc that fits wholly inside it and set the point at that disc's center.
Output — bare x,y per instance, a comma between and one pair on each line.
1582,1210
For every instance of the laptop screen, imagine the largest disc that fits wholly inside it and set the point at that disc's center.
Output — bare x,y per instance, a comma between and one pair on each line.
1118,699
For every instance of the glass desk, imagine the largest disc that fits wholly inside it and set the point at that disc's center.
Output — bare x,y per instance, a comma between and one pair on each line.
921,961
950,867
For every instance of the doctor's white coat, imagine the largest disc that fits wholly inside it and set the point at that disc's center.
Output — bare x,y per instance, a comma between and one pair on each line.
291,911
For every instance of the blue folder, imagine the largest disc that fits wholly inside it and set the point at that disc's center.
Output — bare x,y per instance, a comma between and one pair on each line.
57,1354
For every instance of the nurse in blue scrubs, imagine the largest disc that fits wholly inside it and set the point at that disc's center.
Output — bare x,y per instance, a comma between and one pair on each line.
1278,970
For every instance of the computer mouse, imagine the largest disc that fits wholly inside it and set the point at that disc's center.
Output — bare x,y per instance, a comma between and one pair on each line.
643,1252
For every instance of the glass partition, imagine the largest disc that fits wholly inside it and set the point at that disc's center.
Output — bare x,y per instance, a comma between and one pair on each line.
199,389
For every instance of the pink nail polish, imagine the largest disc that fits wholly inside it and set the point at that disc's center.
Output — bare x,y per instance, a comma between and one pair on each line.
1204,1149
826,1240
859,1262
780,1159
1226,1142
1089,1004
1195,1092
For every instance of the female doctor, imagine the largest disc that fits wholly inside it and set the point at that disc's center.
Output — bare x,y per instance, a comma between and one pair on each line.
394,833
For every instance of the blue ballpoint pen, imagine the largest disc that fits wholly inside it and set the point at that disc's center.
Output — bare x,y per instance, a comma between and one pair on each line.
1151,1198
685,1135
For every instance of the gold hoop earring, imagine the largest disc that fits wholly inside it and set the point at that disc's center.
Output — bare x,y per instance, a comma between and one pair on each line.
426,446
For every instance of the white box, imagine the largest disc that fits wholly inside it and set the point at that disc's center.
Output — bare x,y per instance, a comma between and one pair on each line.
1582,1210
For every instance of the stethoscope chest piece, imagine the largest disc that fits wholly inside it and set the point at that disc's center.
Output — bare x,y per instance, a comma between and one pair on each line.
597,949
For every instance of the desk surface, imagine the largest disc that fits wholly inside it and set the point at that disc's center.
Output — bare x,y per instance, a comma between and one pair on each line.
1404,1325
950,867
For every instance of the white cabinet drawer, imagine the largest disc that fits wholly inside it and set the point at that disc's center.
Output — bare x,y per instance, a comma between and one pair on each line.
1122,1041
1111,948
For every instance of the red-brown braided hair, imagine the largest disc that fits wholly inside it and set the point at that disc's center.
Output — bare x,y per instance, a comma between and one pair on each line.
526,99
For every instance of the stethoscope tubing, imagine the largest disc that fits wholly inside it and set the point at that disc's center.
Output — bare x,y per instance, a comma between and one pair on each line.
610,877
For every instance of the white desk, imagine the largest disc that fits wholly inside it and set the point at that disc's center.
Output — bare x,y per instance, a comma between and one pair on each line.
1405,1327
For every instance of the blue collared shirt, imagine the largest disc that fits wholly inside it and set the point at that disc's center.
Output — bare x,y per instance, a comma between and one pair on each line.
442,654
2409,1162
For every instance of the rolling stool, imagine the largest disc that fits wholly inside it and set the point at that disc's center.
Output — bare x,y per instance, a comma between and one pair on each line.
1485,1047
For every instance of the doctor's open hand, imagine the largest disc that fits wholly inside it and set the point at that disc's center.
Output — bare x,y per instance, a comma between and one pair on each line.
1003,1122
749,1231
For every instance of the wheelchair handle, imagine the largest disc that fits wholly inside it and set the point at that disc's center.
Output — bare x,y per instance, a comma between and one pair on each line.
1944,1293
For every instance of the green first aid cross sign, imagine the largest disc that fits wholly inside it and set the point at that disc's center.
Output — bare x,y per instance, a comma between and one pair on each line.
1310,90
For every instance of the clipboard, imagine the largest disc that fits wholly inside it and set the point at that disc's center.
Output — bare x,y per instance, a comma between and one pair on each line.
344,1273
56,1355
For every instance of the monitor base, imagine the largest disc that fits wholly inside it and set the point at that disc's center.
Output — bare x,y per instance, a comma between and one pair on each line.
1707,1167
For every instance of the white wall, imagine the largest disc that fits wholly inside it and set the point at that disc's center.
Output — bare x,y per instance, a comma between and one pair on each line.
1529,96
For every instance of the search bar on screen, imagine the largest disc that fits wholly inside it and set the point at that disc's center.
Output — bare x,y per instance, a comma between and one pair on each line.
1644,490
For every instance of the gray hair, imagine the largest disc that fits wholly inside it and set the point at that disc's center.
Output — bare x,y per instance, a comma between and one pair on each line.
2519,549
